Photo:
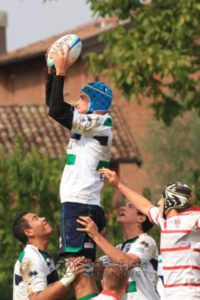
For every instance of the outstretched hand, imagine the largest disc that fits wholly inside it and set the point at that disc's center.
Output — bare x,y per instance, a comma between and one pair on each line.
89,226
75,266
60,58
111,176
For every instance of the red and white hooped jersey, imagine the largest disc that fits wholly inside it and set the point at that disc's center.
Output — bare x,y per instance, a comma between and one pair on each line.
180,249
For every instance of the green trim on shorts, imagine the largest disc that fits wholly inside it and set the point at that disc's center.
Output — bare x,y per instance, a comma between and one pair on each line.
103,164
87,297
132,287
73,249
70,159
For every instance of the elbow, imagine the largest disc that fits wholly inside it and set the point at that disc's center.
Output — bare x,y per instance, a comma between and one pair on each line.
133,261
130,262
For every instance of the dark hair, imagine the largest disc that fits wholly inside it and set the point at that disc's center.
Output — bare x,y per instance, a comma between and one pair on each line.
146,225
19,224
115,277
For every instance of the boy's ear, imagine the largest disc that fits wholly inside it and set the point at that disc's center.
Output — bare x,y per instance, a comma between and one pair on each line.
28,232
141,218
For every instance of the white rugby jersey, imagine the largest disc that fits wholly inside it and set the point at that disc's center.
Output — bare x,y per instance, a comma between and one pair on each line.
33,271
143,277
87,151
160,284
180,249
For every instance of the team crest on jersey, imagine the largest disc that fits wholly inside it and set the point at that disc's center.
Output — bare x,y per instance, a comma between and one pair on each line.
177,222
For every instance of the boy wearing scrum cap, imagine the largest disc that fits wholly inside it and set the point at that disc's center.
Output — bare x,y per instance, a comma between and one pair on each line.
87,151
180,231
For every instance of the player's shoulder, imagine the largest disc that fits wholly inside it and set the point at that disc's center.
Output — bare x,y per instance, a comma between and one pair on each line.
29,252
192,211
146,238
105,119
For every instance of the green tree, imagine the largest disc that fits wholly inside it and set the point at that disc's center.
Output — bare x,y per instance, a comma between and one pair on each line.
174,154
29,182
152,52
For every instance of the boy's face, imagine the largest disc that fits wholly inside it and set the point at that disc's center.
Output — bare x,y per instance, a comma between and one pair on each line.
83,104
127,213
39,226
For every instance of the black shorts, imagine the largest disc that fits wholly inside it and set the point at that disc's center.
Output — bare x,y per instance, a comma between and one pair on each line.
75,243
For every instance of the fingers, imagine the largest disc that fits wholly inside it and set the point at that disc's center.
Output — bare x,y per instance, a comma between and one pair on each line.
80,222
83,224
59,54
75,266
89,226
79,259
85,218
111,176
84,221
79,269
106,171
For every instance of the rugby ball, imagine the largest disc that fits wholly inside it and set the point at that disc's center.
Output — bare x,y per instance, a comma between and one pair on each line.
75,47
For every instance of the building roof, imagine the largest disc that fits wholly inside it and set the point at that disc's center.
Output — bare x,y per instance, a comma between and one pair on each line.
87,32
36,128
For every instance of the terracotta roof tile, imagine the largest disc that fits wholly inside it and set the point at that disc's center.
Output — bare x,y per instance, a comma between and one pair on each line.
31,122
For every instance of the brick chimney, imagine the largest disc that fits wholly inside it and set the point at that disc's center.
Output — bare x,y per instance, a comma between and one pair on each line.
3,25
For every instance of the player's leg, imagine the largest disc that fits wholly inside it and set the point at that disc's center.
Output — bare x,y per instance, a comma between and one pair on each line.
75,243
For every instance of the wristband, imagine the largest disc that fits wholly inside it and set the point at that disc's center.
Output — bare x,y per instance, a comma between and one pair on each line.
67,280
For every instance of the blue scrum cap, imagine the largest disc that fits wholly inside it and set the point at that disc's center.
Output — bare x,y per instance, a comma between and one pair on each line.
100,96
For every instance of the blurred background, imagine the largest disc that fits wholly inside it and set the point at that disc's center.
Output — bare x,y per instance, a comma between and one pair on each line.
150,55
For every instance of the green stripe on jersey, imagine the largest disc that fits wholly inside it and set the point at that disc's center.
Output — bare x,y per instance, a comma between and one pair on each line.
21,256
132,287
87,297
71,159
45,255
103,164
108,122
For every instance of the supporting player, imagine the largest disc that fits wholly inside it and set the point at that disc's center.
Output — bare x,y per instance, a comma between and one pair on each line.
87,151
180,229
138,253
35,276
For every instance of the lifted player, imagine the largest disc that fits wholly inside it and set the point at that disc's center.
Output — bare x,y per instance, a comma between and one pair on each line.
87,151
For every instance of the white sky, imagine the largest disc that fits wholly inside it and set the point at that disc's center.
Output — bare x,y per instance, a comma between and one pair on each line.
32,20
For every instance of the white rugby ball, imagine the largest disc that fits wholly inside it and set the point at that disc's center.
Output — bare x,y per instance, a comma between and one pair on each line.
75,47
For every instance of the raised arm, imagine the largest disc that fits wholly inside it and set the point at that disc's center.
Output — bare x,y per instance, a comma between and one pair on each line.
61,288
140,202
111,251
59,110
48,87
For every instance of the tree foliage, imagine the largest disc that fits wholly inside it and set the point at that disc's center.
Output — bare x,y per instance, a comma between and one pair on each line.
174,153
153,53
29,182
